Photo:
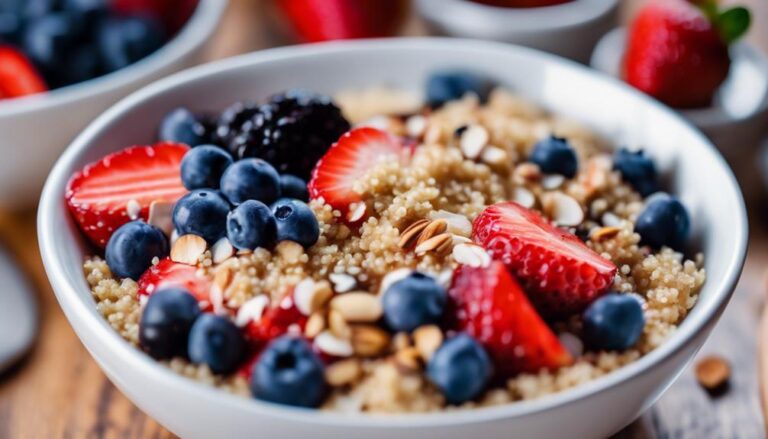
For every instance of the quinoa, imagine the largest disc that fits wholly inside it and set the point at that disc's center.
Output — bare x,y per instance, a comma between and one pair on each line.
441,178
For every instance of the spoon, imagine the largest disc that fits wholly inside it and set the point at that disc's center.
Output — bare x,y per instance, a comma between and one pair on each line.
18,312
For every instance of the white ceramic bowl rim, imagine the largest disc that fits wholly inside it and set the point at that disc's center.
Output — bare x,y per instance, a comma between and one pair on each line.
85,310
198,27
542,18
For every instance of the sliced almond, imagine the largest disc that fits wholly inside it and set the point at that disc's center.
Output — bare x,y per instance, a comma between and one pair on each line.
410,235
604,233
161,216
309,296
188,249
713,373
401,340
494,157
563,209
133,209
222,250
338,325
252,310
369,341
473,140
358,306
445,277
408,358
523,197
610,219
434,228
289,251
527,172
315,325
552,181
572,344
456,223
330,344
415,126
439,244
472,255
343,372
342,282
392,277
222,277
356,212
427,340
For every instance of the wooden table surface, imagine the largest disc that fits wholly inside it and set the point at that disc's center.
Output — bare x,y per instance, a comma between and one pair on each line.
59,391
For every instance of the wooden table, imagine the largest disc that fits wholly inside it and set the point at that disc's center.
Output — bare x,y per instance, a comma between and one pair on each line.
59,391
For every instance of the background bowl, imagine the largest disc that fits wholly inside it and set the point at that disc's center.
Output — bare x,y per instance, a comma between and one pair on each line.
36,129
191,409
570,29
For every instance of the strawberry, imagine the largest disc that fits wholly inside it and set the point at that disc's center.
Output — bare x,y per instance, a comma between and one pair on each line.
677,51
276,321
18,77
489,304
347,160
98,196
560,273
173,274
323,20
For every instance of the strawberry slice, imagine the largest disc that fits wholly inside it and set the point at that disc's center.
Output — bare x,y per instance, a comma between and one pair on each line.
347,160
106,194
168,274
276,321
489,304
560,273
18,77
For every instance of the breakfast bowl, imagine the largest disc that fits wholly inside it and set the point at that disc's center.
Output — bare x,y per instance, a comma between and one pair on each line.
37,128
694,170
570,29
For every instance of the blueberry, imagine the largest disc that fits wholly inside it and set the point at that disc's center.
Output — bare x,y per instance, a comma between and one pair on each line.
10,27
132,247
663,222
289,372
460,368
295,222
638,170
89,11
413,301
613,322
216,342
202,212
292,186
251,179
123,41
251,225
182,126
166,321
81,65
38,8
203,166
555,156
450,85
48,40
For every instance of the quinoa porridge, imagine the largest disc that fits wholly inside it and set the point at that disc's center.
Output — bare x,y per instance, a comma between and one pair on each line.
477,236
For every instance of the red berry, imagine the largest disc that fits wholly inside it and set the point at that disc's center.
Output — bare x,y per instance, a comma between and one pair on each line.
322,20
489,304
348,160
98,196
18,77
276,321
560,273
675,54
173,274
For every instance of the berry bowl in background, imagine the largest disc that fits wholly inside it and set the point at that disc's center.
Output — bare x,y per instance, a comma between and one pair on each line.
698,175
569,29
35,129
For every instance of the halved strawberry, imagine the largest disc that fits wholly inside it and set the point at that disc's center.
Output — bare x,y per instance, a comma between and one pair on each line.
276,321
560,273
106,194
347,160
168,274
489,304
18,77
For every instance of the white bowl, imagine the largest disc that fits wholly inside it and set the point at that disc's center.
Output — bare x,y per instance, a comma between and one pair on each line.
570,29
36,129
596,409
736,120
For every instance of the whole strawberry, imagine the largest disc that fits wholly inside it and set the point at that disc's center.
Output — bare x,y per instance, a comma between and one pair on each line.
677,50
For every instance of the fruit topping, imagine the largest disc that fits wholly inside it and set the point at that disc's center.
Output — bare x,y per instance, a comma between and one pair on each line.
216,342
460,368
168,274
413,301
554,155
663,222
251,225
295,222
165,323
251,179
637,169
203,166
202,212
614,322
454,84
132,248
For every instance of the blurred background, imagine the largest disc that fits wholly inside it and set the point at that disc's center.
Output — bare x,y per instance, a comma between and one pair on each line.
56,390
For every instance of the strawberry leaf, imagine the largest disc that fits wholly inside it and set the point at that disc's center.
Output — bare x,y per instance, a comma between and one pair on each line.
733,23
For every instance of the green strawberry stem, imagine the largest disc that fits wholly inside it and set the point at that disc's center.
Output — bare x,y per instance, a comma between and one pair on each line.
732,23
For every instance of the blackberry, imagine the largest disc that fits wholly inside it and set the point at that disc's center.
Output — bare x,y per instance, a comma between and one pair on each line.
292,131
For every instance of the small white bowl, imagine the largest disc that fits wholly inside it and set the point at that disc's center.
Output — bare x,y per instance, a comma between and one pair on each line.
34,130
736,121
570,29
698,175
